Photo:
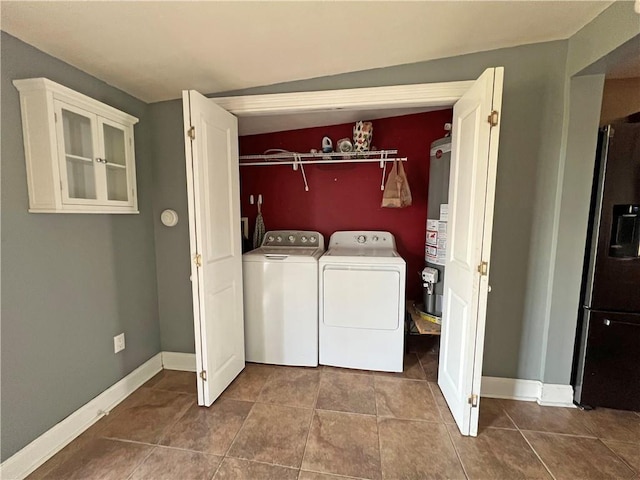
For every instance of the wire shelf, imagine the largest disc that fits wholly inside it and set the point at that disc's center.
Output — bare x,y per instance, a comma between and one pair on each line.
294,158
299,160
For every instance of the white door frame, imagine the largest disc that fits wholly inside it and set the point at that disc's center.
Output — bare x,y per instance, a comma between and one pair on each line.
443,94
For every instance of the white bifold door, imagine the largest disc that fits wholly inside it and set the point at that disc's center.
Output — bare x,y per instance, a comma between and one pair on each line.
474,159
213,184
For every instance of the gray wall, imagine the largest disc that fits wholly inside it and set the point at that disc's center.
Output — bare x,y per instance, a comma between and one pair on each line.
172,244
528,158
69,282
577,175
611,37
602,36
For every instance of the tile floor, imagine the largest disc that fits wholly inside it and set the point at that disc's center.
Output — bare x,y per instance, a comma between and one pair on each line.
327,423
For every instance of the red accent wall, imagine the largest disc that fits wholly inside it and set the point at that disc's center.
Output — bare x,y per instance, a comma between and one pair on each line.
347,197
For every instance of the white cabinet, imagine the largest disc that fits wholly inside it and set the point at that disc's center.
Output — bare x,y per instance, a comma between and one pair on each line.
79,152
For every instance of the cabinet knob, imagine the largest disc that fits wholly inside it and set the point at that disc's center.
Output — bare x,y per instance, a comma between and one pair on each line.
607,322
101,160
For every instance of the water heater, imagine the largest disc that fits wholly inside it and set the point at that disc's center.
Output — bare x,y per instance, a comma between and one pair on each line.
437,217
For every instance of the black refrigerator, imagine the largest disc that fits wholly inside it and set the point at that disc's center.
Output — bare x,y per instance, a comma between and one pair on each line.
606,368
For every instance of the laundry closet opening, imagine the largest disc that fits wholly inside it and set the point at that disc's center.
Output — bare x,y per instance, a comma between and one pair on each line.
214,193
345,196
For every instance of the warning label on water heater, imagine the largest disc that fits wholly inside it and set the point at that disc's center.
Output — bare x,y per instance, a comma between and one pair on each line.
432,237
436,240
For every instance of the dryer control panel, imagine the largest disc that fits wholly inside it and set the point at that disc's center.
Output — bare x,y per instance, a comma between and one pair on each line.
364,239
293,238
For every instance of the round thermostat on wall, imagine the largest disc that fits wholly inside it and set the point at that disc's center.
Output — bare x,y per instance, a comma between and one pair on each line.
169,217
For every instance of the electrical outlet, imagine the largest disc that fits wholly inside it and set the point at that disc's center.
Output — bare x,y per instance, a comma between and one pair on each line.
118,343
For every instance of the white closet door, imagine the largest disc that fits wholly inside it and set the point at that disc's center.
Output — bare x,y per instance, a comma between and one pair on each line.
213,186
474,157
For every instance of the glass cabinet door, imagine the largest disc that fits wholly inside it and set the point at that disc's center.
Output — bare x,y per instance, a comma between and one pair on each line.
78,150
95,158
115,161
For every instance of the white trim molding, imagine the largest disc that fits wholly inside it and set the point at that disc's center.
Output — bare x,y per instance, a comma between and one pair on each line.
60,435
510,388
546,394
185,362
91,104
556,395
396,96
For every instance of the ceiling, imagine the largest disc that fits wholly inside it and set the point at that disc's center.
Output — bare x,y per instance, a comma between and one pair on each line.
154,50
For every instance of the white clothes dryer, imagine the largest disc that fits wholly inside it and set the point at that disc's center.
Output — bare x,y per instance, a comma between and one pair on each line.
362,290
280,281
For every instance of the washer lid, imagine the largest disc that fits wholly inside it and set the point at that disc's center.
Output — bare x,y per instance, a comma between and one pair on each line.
283,254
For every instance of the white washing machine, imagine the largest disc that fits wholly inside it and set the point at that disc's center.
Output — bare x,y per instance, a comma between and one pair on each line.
362,290
280,281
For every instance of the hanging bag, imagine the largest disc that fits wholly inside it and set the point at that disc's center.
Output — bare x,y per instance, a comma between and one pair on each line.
397,193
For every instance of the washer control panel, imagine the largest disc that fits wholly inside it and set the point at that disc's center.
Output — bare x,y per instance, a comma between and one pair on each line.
293,238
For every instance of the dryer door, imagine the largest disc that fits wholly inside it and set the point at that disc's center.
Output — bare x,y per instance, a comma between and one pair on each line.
361,297
362,316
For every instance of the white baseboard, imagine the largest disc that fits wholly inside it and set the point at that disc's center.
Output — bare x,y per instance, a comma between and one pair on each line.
556,395
511,388
547,394
56,438
185,362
